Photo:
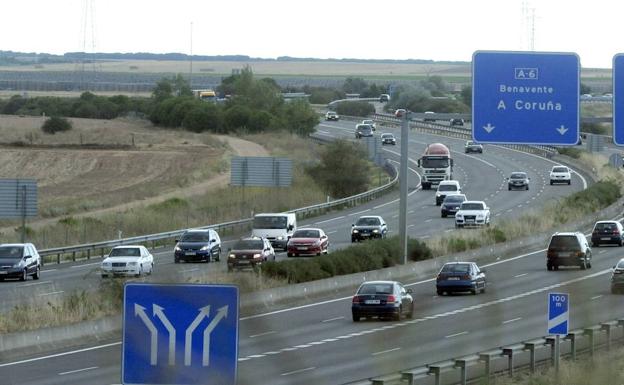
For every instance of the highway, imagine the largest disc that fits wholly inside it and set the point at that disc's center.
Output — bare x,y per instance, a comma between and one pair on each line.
318,343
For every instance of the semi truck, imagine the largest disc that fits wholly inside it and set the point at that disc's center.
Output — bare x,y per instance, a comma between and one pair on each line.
206,95
436,164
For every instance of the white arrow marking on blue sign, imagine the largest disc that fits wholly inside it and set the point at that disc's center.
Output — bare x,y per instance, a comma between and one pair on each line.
188,340
489,128
158,312
221,313
562,130
140,311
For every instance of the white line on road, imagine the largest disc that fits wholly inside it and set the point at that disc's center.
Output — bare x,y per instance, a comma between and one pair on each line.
333,319
329,220
77,371
361,212
299,371
395,216
596,297
456,335
331,232
385,351
189,270
85,265
60,354
520,275
262,334
35,283
448,230
428,220
512,320
51,293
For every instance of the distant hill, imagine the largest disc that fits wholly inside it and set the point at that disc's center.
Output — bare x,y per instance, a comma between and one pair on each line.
13,58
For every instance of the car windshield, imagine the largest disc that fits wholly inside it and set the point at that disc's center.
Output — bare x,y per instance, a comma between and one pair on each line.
364,127
518,176
620,265
456,268
368,222
447,187
376,288
605,226
307,234
434,162
270,222
472,206
195,237
11,252
367,122
469,143
387,136
125,252
249,244
563,242
560,169
454,199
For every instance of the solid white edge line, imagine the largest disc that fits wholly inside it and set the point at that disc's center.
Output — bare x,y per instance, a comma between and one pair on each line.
77,371
385,351
60,354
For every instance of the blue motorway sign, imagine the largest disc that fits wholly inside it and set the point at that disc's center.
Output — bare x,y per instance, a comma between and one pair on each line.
180,334
618,99
525,97
558,313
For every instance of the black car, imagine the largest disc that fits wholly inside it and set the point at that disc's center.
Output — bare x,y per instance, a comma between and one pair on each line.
19,260
250,252
518,180
198,246
568,249
387,138
460,276
457,122
383,299
368,227
473,147
607,232
451,204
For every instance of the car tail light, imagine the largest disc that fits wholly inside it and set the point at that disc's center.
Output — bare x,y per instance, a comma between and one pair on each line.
616,232
551,253
439,277
391,299
616,271
356,299
465,277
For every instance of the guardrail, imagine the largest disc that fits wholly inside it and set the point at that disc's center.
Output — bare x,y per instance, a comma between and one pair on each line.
528,354
90,249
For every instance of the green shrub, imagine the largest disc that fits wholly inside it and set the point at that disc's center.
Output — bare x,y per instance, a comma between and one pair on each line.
56,124
355,108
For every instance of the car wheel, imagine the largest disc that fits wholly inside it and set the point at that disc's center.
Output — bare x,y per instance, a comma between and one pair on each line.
151,270
37,274
508,188
549,267
569,182
289,255
583,265
613,290
443,215
176,260
595,244
527,187
104,275
473,291
551,182
140,272
440,292
24,275
555,267
410,315
399,315
356,318
589,265
483,289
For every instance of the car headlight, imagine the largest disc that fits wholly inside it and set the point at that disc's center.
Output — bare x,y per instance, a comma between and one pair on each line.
204,248
355,231
257,256
232,256
106,264
132,263
17,265
177,248
480,216
375,231
279,238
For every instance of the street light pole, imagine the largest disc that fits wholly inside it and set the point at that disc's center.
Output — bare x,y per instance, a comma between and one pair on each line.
403,184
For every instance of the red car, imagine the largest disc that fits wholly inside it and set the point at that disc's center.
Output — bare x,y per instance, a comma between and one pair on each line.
307,242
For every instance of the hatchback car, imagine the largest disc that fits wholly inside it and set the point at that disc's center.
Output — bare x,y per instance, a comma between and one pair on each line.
456,122
617,277
518,180
460,276
19,260
383,299
446,187
362,130
560,174
331,115
473,147
368,227
607,232
198,245
250,252
568,249
307,241
388,138
128,261
384,98
370,122
451,204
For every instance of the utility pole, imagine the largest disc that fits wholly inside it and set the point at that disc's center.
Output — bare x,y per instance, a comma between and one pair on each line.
403,182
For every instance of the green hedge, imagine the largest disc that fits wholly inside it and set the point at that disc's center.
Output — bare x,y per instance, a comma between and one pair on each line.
596,196
367,256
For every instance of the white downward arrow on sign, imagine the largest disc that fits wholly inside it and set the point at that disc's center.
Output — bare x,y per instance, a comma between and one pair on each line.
562,130
489,128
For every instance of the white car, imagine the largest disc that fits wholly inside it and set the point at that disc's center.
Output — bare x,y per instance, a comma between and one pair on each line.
472,213
370,122
128,261
445,188
560,174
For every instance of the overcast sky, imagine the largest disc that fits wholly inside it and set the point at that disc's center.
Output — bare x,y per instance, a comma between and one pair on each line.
364,29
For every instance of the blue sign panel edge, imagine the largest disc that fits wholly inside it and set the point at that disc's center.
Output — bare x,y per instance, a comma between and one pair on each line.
613,100
578,87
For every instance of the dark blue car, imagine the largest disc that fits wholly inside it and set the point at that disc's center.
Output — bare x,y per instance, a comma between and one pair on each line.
460,277
198,246
383,299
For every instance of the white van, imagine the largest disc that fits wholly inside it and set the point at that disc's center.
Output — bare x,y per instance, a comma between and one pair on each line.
277,228
447,187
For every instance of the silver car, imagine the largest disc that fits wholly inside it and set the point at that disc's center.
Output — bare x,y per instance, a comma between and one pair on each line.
617,277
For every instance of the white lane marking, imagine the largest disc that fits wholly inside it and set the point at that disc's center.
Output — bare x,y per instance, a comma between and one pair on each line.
60,354
323,132
395,216
448,231
361,212
520,275
411,212
596,297
428,220
385,351
299,371
46,270
34,283
262,334
189,270
331,232
77,371
602,251
512,320
456,335
51,293
333,319
85,265
329,220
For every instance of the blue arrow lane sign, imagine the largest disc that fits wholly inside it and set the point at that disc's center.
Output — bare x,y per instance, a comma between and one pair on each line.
558,313
180,334
618,99
525,97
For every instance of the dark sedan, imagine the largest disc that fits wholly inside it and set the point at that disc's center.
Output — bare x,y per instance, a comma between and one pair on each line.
383,299
617,277
518,180
388,138
368,227
451,204
459,277
250,252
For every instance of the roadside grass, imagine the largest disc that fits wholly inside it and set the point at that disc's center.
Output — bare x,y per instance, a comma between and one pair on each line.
605,369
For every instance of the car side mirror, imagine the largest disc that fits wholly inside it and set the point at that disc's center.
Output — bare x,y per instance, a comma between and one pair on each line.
213,240
352,225
177,241
290,227
324,236
409,291
229,249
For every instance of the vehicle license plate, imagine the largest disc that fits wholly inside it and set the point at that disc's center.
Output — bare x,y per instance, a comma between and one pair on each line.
469,220
453,278
365,234
372,302
189,253
302,248
4,272
605,238
243,262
